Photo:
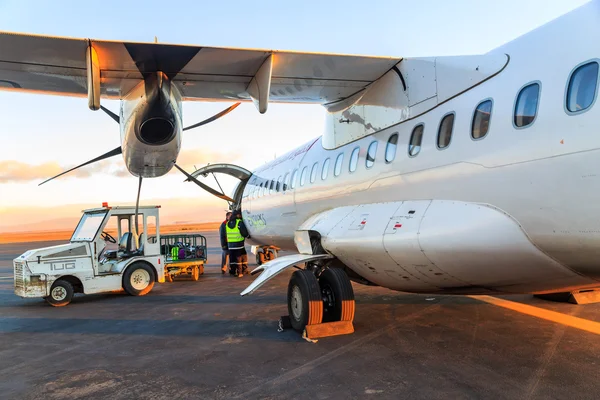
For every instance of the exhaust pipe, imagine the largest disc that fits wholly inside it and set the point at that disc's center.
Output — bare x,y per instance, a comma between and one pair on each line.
156,131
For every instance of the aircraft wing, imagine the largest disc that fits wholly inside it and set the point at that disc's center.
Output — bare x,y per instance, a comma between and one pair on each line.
60,66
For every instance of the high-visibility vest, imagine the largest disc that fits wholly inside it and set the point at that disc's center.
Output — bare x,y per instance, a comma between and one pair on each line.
233,234
175,253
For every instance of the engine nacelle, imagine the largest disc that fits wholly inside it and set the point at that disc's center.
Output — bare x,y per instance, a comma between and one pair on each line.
151,119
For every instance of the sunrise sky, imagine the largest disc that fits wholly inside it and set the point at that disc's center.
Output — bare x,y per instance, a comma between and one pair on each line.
42,135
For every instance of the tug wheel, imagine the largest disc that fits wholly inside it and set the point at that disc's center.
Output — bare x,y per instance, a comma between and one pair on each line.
138,279
305,306
61,293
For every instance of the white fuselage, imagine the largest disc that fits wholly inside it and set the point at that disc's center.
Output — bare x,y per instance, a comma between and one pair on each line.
544,177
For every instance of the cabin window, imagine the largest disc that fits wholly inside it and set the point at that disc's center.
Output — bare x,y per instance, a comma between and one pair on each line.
286,181
303,176
414,146
313,172
581,91
259,190
271,187
353,160
390,148
264,189
445,131
526,105
278,185
481,119
293,180
337,170
325,169
371,152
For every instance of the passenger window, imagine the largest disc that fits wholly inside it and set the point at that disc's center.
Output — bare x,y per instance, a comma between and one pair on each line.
481,119
263,188
445,131
582,87
414,146
337,170
303,176
371,152
325,169
313,172
526,105
271,187
353,160
278,185
286,181
390,148
293,180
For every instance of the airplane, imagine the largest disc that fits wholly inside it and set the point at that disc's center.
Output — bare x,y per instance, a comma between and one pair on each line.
444,175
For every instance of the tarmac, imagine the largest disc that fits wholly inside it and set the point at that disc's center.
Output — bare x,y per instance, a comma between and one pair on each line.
202,339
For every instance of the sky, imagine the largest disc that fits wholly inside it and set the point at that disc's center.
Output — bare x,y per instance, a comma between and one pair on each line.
41,135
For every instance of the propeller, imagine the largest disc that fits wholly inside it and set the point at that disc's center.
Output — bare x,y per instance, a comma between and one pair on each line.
137,206
214,117
203,186
118,150
112,153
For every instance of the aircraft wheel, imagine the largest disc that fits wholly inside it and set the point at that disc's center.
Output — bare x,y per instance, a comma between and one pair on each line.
337,295
61,293
195,273
305,306
138,279
270,254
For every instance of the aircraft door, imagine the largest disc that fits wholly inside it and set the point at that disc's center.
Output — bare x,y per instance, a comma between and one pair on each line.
232,170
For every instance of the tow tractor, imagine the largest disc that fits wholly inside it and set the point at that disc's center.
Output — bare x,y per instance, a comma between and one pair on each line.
87,264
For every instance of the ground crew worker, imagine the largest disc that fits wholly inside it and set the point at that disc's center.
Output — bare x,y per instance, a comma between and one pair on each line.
223,237
236,234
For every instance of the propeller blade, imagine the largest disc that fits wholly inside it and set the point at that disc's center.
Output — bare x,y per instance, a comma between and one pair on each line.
111,153
203,186
111,114
214,117
137,207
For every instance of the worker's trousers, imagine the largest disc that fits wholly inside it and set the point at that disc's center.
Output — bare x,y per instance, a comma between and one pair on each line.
238,259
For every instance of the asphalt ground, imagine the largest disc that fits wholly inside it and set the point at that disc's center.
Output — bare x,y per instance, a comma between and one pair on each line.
202,339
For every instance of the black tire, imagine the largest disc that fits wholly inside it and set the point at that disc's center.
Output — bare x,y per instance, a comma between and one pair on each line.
61,293
305,305
337,294
260,258
270,255
134,278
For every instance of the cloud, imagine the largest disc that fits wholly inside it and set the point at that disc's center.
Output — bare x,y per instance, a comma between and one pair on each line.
57,217
17,171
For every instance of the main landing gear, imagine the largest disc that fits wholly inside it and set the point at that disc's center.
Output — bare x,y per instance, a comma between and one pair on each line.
321,303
